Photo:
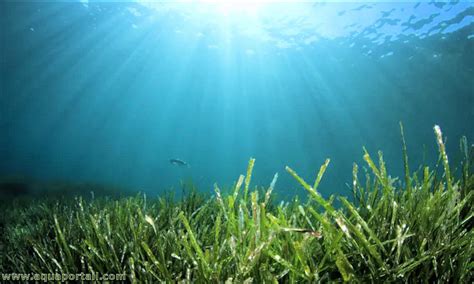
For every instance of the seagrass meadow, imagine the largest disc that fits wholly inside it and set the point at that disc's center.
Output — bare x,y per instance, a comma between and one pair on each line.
413,229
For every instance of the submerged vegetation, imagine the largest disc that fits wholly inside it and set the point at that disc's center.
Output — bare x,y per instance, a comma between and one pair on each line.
418,229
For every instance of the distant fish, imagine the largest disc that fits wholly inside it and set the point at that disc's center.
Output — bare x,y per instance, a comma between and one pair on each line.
179,162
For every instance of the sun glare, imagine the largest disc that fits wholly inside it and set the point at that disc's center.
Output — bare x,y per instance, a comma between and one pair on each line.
228,7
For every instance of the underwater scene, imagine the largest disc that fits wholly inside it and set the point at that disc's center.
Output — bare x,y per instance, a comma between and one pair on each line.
224,141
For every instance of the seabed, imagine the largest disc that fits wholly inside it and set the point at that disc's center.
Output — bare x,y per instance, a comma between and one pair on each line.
414,229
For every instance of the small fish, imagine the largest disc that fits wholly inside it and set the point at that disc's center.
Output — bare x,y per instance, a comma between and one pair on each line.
179,162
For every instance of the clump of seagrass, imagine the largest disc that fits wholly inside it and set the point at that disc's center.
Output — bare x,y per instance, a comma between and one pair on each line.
416,231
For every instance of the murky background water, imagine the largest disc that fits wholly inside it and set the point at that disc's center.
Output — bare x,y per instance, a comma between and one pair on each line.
109,92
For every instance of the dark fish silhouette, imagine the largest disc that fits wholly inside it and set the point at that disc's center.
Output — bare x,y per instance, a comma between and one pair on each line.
179,162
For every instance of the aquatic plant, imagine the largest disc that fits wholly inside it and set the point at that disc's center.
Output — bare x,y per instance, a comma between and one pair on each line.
418,230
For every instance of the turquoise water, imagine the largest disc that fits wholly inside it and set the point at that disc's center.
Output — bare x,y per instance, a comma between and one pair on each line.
109,92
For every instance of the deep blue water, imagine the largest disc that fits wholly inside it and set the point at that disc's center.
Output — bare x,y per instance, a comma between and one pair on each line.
109,92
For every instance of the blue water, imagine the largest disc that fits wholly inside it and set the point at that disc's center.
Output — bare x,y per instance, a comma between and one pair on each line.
109,92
